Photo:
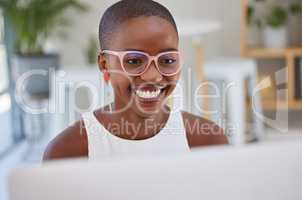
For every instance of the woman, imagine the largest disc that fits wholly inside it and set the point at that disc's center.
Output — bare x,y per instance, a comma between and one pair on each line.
140,58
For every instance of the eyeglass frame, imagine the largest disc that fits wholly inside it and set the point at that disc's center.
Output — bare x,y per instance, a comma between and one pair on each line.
121,55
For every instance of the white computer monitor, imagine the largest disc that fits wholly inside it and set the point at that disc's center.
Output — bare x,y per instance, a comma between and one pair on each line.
264,172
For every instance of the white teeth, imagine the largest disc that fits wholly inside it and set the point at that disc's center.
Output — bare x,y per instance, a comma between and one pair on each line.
147,94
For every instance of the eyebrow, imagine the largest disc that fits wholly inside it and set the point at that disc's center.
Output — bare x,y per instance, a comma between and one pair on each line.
161,51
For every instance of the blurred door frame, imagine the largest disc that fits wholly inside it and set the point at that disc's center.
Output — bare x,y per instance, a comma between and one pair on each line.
6,42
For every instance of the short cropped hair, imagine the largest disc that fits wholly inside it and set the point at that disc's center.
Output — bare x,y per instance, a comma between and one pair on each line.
125,10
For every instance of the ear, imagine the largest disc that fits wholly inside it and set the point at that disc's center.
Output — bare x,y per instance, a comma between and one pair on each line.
102,62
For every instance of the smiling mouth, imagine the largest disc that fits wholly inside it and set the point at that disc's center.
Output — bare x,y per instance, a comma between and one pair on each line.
149,93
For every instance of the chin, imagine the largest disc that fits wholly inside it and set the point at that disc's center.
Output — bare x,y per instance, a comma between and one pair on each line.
147,109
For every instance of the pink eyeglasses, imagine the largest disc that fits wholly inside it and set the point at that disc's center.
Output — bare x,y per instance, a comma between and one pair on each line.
135,63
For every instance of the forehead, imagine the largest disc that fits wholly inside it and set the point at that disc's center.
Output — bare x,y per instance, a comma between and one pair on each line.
148,34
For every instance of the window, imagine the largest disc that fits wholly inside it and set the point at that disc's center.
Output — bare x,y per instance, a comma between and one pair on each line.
3,65
5,101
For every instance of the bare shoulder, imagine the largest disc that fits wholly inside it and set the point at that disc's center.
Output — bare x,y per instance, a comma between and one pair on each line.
202,132
71,143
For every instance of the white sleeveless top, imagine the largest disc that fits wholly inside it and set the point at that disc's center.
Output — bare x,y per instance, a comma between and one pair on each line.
104,145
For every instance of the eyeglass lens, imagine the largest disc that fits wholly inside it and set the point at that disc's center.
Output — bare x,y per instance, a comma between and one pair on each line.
135,63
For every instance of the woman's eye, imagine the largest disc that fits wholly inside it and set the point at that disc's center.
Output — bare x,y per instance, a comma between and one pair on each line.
168,61
134,61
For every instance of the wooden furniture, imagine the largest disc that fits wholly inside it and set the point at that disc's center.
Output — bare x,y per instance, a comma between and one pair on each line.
288,55
195,29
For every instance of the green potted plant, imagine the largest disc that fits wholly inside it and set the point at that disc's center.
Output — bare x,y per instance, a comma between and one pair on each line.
254,27
275,33
33,22
91,51
294,24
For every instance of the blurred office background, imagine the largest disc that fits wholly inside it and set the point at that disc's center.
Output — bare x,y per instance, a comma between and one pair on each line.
232,45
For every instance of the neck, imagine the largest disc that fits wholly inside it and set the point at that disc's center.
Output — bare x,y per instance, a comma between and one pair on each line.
128,124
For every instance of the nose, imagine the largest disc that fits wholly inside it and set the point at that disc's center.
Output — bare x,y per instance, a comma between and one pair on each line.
152,74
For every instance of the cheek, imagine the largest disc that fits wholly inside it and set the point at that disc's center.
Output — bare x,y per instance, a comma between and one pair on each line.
172,81
120,83
174,78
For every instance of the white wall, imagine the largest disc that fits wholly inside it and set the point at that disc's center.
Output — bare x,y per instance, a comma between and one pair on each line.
224,42
227,12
